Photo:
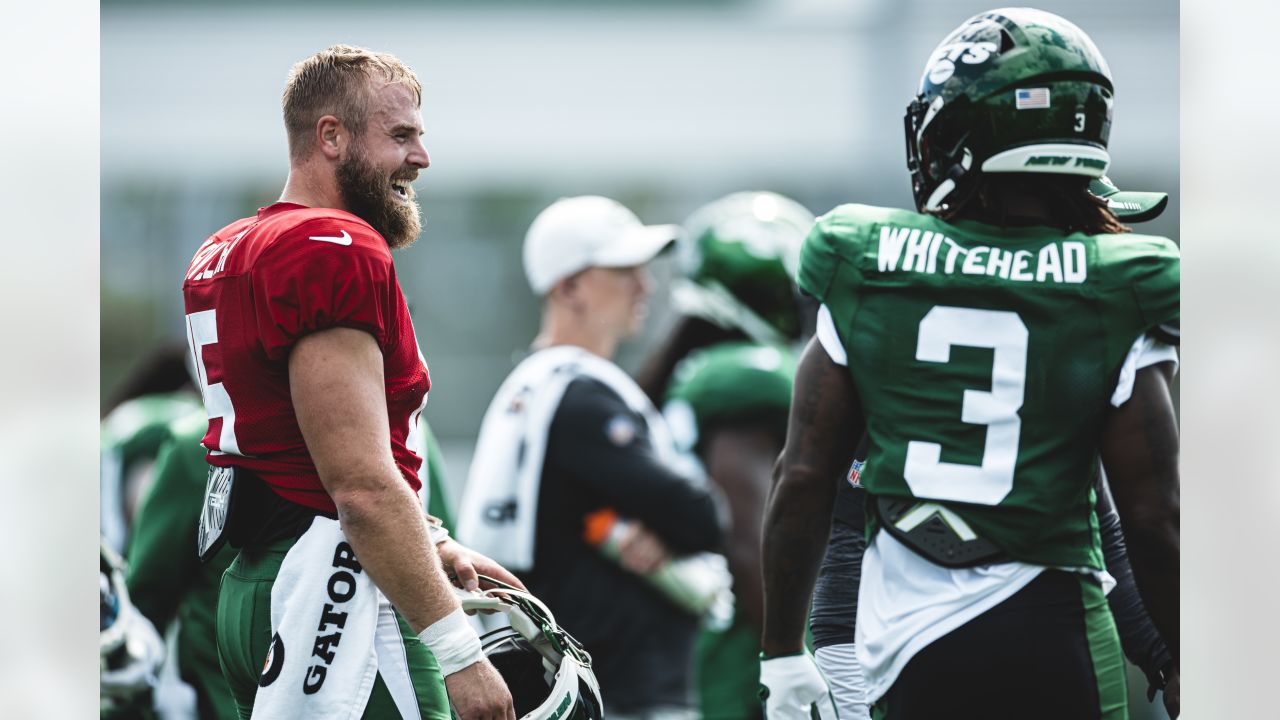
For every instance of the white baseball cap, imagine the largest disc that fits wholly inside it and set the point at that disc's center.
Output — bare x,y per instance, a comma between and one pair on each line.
576,233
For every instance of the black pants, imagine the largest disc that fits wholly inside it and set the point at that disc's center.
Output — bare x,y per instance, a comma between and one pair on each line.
1050,652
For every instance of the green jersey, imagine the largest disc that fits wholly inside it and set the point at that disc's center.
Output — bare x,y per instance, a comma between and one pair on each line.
730,383
438,503
130,438
985,358
166,579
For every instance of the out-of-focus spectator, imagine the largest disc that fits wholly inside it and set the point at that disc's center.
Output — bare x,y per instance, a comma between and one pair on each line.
568,434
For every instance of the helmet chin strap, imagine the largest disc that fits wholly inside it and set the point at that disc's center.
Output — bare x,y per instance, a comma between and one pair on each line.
946,187
939,194
714,303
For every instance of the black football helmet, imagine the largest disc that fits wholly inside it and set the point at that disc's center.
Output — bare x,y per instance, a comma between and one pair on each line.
1014,90
547,671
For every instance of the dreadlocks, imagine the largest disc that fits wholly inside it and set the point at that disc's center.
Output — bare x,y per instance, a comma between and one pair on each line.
1070,205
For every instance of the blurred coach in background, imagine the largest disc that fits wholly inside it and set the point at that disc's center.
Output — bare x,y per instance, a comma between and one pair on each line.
569,435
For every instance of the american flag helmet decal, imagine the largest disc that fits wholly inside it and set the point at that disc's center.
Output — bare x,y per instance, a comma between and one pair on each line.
1031,98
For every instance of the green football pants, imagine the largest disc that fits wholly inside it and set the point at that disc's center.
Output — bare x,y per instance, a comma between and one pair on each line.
244,635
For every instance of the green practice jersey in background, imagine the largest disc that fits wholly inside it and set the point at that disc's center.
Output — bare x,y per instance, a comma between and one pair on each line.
735,382
727,384
166,580
131,437
437,498
985,359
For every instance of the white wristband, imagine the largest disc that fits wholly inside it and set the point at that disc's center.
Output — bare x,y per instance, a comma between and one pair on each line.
454,643
438,533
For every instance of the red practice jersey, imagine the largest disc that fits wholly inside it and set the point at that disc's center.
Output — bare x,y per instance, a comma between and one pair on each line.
253,289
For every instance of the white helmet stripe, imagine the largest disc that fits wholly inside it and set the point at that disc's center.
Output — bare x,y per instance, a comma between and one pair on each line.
1058,158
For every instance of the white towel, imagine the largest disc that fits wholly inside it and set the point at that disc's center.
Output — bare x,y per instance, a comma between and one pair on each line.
320,670
500,501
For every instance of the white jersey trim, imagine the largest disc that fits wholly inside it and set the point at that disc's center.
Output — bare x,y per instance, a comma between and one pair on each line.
1146,351
828,337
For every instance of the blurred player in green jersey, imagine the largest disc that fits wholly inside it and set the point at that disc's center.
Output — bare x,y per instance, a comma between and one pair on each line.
158,390
992,346
725,378
165,578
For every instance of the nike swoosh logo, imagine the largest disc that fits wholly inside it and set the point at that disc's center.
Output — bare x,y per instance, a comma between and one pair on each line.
343,239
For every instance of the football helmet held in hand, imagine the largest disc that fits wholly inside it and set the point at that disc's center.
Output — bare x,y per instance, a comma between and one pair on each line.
547,671
130,649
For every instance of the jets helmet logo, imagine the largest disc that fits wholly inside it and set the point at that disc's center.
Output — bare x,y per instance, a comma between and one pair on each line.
943,63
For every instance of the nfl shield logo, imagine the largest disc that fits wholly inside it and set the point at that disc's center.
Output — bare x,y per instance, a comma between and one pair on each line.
855,473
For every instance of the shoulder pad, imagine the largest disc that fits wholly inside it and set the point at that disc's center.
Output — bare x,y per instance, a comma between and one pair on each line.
1151,266
736,382
839,238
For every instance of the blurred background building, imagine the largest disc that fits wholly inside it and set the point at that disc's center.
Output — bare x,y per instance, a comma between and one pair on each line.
661,105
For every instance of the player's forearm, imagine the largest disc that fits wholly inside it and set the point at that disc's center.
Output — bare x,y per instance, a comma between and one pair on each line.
796,526
338,394
1153,541
1140,453
1139,637
740,462
388,533
748,580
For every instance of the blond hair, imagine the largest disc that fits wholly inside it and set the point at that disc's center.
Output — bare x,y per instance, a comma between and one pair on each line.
337,81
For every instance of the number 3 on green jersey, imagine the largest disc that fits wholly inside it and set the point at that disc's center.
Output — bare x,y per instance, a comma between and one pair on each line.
986,484
985,359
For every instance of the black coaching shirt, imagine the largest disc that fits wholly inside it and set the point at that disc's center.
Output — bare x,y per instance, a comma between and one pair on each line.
599,455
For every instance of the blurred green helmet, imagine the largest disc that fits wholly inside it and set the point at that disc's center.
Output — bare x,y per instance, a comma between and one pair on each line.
738,256
1014,90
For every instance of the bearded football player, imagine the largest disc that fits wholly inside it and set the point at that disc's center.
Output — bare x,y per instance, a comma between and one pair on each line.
336,604
992,345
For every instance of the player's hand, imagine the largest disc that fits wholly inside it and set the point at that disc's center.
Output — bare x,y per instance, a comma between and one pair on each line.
791,687
466,565
641,551
1173,695
477,692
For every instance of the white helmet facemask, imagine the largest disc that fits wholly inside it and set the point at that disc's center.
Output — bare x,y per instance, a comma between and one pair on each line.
572,689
